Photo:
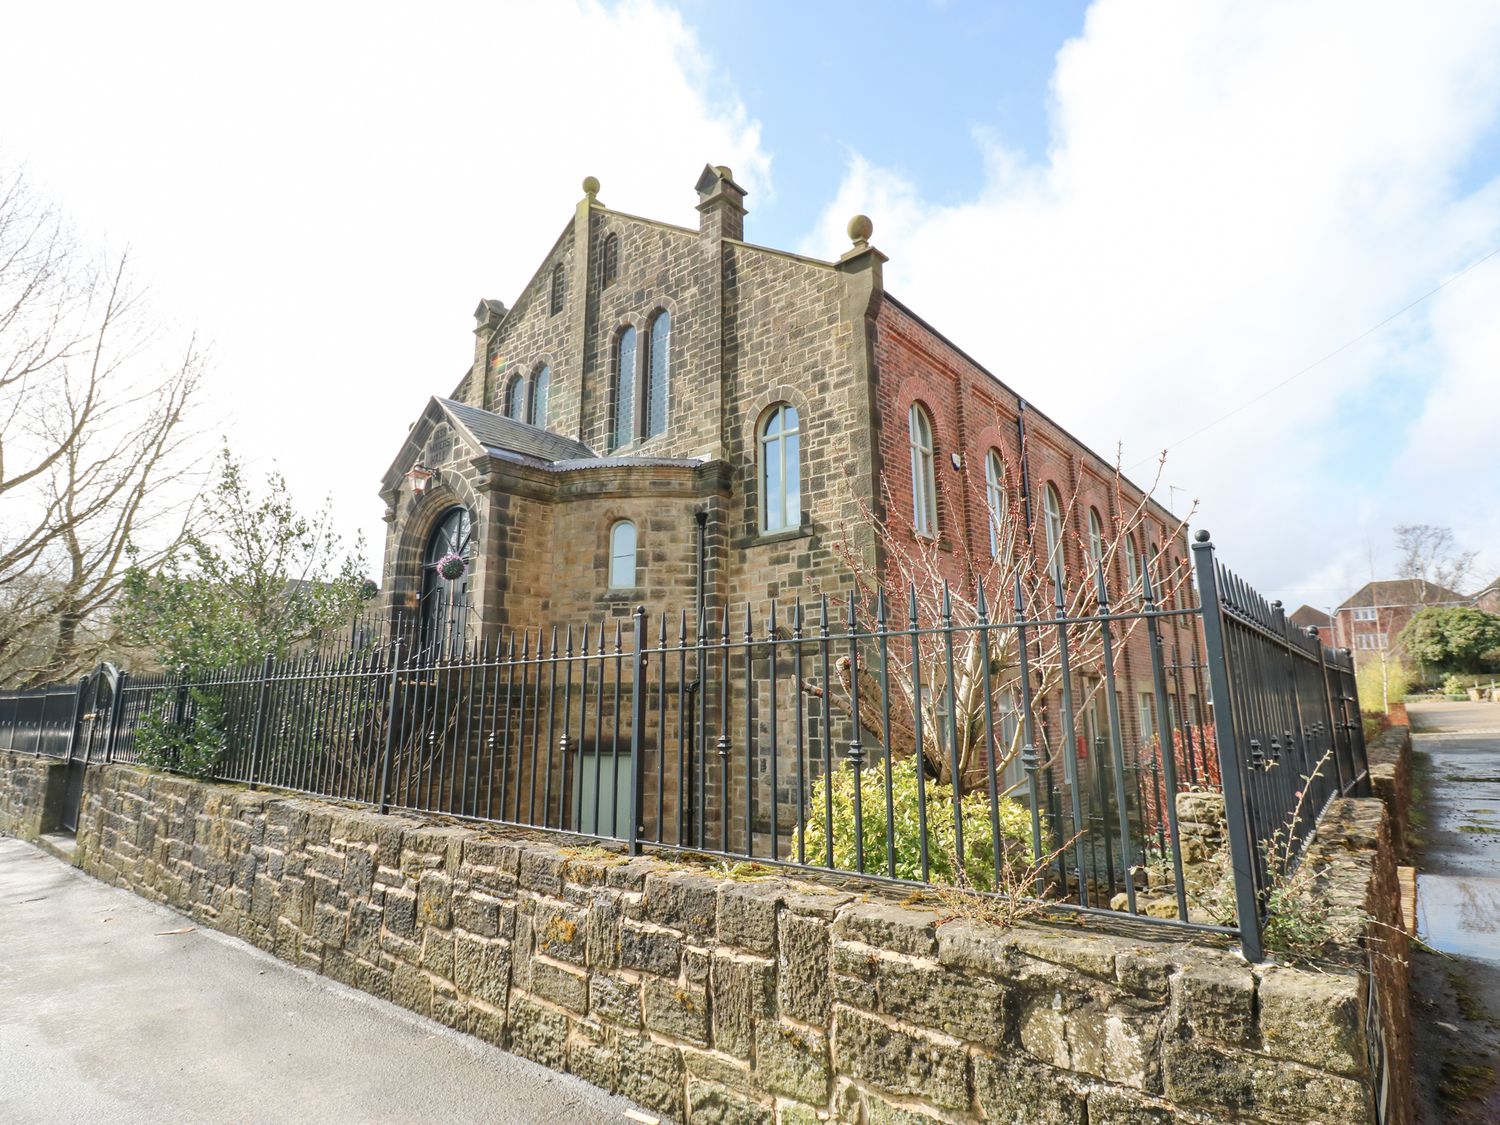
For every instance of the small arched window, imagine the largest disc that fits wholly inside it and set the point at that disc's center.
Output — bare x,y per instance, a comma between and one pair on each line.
622,555
515,398
994,497
624,420
541,384
1052,517
559,283
657,373
609,261
781,470
1096,539
923,476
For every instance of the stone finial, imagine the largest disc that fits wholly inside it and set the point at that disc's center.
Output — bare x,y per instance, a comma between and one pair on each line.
860,229
590,186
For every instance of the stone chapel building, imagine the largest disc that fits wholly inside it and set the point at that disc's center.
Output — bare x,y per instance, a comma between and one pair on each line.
667,414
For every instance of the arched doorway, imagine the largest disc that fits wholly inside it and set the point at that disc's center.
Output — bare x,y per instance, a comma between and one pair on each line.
445,599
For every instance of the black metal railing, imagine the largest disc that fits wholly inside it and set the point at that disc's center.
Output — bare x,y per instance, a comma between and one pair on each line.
1036,756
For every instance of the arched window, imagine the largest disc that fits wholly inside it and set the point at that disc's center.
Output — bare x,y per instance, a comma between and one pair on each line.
994,496
624,421
445,601
1052,518
1132,565
541,383
609,261
923,477
781,470
622,555
515,398
1096,539
558,284
657,373
1147,563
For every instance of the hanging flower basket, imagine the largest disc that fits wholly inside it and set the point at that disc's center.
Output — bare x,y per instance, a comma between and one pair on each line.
452,566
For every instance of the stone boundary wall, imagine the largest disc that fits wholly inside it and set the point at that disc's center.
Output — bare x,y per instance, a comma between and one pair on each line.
1389,755
31,794
716,999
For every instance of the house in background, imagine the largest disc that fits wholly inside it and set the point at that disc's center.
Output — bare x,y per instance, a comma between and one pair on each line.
1369,622
1488,599
1306,617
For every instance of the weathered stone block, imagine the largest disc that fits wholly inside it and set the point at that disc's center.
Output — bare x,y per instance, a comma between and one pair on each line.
747,915
744,991
1017,1091
649,950
1216,999
676,1010
477,913
960,1004
803,953
930,1067
1313,1018
538,1033
1108,1106
541,869
401,912
481,968
682,901
651,1074
559,931
592,1056
895,928
792,1060
713,1104
411,988
435,900
614,999
561,984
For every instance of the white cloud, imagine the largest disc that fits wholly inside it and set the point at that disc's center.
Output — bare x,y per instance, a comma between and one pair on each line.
325,191
1233,191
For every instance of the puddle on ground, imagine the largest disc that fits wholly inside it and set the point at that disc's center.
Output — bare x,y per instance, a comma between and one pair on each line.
1460,914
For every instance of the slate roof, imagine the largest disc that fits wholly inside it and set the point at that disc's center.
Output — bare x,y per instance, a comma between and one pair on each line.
499,434
1401,592
1306,617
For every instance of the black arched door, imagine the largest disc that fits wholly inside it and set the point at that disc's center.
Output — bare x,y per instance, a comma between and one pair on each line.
445,583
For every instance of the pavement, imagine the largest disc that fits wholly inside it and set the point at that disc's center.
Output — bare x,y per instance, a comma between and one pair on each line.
1456,980
114,1009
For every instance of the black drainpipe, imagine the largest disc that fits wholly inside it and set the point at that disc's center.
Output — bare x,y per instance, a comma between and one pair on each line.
1025,461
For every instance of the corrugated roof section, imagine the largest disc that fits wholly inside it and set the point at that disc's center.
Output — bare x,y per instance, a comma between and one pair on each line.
495,431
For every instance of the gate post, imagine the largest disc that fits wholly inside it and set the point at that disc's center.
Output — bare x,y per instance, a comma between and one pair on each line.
116,709
1241,844
257,739
637,728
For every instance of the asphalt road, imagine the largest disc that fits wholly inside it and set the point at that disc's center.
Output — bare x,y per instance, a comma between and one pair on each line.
1456,982
106,1016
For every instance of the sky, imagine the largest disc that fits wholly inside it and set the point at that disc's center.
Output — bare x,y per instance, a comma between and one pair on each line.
1190,225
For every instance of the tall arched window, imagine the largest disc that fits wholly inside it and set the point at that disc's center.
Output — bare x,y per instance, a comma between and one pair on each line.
445,601
657,373
1132,565
559,282
622,555
994,496
1096,539
1052,518
923,476
609,260
541,384
624,420
515,398
781,470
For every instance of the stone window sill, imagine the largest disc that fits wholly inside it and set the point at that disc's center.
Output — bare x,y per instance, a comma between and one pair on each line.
766,538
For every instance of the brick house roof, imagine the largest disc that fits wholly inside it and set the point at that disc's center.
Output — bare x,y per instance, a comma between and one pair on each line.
1306,617
1401,592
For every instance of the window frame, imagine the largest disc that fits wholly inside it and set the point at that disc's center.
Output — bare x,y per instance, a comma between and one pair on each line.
994,495
788,451
1055,531
609,260
1096,539
557,299
541,379
616,555
654,380
923,452
623,405
515,388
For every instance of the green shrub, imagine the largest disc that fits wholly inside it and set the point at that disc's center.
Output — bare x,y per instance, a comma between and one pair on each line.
1459,683
193,746
979,863
1377,682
